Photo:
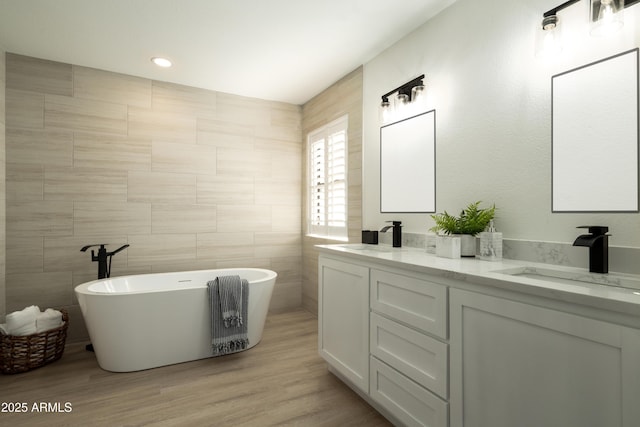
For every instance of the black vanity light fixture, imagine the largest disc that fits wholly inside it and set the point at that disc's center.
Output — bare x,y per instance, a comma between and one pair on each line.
551,42
407,101
605,17
550,17
406,93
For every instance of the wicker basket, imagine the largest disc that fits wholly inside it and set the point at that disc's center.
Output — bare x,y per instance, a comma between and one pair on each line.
24,353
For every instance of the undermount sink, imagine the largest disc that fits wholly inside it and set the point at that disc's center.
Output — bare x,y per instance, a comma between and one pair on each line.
571,277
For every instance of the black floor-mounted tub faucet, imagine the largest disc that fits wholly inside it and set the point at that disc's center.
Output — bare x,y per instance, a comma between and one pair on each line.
103,258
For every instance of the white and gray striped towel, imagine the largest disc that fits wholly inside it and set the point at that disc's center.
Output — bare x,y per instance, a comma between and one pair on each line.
228,301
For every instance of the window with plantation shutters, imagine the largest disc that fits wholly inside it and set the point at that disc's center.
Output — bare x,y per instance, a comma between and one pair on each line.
327,180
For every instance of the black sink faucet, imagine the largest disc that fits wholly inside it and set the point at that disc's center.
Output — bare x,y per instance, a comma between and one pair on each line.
598,243
104,267
397,232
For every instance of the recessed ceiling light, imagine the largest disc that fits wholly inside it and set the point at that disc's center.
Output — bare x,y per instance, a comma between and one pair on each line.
161,62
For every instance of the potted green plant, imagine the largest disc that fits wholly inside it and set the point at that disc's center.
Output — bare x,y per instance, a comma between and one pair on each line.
472,220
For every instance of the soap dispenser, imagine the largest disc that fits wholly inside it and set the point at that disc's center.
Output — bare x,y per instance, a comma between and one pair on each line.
490,244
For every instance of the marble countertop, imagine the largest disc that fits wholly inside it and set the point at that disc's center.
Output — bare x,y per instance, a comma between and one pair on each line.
576,285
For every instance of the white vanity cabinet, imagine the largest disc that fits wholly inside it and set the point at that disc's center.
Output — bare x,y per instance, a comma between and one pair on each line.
516,364
343,319
439,343
386,334
409,353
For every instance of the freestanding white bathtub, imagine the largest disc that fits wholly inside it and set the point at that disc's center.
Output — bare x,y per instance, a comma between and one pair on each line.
150,320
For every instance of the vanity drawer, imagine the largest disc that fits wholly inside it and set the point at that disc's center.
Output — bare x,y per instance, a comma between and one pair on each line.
410,403
417,303
419,357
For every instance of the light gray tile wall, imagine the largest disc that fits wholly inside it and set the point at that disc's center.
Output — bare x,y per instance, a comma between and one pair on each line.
190,178
3,239
343,97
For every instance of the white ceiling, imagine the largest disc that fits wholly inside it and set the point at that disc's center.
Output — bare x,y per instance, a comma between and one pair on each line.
284,50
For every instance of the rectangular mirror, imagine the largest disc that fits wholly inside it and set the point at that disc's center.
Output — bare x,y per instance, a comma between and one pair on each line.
408,164
594,139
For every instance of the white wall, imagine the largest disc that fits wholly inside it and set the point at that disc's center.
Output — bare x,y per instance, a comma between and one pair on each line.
493,103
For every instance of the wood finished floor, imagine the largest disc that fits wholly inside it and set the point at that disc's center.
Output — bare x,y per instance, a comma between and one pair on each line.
282,381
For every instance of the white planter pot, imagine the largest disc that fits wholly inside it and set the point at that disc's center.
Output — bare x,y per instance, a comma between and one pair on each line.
467,245
448,246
